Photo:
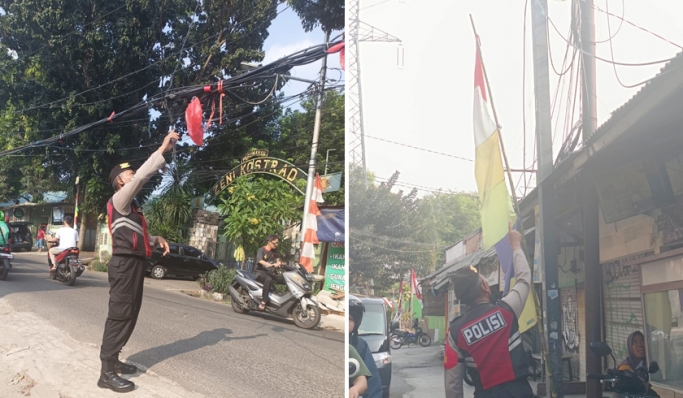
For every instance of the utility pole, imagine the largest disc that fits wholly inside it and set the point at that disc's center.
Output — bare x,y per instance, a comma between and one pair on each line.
589,200
360,32
546,198
314,145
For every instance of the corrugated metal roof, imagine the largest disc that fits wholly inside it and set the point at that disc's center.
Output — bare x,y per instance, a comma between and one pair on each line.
673,65
48,197
441,277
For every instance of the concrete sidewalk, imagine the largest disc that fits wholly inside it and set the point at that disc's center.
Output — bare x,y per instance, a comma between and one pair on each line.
39,360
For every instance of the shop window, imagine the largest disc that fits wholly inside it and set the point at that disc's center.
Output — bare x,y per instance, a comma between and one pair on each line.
664,328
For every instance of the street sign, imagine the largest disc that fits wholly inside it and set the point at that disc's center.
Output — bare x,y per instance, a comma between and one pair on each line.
331,182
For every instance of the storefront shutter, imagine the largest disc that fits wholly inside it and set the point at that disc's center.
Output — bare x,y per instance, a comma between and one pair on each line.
623,309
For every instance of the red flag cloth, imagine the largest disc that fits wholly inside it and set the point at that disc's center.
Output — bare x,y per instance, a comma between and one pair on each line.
341,49
336,48
450,358
193,118
388,303
415,288
311,233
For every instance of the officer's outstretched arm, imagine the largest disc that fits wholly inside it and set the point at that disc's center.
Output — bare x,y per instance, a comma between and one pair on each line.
517,296
124,197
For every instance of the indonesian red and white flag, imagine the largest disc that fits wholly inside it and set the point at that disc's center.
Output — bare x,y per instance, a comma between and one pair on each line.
416,288
311,234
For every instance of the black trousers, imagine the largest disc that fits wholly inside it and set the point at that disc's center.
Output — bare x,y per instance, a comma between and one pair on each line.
126,281
267,280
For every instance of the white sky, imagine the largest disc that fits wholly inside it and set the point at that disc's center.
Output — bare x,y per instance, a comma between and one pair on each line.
428,103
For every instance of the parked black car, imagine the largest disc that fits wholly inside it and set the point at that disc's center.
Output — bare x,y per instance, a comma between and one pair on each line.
374,329
181,261
20,236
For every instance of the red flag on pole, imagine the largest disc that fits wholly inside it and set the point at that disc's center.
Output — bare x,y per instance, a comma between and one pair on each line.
416,289
311,233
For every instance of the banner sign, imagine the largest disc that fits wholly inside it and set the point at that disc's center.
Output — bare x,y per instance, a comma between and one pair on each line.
273,166
335,270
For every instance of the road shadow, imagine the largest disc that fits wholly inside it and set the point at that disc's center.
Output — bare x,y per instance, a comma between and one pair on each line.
153,356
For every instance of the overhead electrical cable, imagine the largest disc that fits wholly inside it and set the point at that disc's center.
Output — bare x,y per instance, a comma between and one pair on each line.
212,90
144,68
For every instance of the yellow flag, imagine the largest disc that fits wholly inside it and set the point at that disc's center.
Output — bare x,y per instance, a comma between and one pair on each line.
527,319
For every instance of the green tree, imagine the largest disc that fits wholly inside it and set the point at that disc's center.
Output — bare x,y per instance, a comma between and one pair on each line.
168,215
392,232
328,14
64,64
295,132
254,208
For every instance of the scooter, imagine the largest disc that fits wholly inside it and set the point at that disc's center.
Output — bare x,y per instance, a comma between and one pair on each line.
69,266
297,301
5,264
622,383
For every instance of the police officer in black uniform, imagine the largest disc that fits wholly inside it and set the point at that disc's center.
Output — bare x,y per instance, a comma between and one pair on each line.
486,337
131,246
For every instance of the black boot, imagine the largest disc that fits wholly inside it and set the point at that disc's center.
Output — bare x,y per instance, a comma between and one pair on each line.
125,368
109,379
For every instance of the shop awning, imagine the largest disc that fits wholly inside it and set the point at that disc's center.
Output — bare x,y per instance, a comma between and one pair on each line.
442,277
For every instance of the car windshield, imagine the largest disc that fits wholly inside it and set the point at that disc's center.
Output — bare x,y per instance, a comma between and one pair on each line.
374,320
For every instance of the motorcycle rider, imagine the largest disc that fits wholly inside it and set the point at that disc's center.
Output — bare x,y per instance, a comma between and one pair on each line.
636,360
356,311
486,337
67,237
268,259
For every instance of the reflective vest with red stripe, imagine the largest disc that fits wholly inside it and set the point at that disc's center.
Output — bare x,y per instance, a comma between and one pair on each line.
489,343
128,233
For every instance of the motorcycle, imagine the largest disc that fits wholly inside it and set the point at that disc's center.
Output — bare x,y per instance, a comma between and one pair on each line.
5,264
400,337
297,301
69,266
623,383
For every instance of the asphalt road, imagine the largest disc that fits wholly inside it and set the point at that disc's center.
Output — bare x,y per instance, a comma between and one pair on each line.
203,346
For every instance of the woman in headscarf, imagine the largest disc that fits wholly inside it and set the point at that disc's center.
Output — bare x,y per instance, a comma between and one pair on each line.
636,360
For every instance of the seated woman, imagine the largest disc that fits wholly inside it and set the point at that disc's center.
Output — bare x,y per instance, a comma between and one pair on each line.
636,360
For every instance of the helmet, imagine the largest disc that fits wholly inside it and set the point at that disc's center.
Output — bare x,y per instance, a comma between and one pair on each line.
356,311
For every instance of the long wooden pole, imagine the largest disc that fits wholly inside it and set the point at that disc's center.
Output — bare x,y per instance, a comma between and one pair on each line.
539,323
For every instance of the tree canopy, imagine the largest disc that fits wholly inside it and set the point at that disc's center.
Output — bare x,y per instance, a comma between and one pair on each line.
392,232
64,64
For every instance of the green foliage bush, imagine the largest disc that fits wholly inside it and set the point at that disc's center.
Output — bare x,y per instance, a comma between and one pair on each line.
99,266
218,280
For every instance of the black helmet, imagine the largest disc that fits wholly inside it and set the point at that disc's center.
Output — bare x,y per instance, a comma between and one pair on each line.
356,311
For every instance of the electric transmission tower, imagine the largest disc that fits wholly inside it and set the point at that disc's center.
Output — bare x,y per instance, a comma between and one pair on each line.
361,32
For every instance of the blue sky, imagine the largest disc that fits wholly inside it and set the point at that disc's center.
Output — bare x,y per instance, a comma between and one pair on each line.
286,36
